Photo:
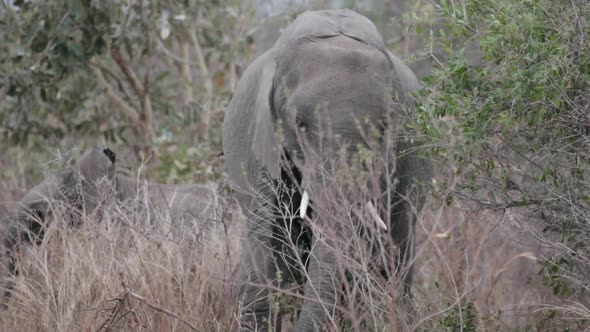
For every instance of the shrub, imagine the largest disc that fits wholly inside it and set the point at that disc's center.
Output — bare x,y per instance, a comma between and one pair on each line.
516,129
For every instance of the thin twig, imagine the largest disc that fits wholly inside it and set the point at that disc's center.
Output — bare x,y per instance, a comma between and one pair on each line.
162,310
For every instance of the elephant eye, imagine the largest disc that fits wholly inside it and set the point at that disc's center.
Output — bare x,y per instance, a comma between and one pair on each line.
300,122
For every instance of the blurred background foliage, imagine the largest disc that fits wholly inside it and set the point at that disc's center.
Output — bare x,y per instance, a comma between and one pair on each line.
505,108
149,78
515,126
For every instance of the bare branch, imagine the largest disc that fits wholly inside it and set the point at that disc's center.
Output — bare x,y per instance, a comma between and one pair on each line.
205,75
200,58
124,107
162,310
131,78
148,64
117,80
186,74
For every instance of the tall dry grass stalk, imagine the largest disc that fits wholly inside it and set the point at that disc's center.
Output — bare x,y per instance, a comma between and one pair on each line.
127,269
474,269
130,269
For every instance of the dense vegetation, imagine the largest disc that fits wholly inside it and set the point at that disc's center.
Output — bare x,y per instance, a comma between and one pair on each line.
505,112
515,127
138,74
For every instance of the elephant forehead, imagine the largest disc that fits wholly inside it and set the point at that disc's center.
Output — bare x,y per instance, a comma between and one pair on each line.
327,58
325,23
95,164
341,83
337,104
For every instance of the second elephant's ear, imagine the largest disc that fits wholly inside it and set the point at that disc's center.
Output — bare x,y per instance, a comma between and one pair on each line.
249,139
404,81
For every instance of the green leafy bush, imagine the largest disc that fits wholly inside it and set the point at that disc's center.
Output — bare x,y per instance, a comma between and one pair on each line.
516,124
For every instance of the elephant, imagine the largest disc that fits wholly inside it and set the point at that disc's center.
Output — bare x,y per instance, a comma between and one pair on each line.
300,109
90,186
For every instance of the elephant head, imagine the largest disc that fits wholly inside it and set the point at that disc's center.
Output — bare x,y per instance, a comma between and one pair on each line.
81,187
299,110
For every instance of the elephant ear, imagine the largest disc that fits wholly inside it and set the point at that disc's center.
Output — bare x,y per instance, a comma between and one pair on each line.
248,136
265,145
404,81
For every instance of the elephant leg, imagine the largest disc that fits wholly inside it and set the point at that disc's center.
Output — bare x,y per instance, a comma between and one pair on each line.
9,245
257,269
403,233
409,199
258,265
16,234
320,288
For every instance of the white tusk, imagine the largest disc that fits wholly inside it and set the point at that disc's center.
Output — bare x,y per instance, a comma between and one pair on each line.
373,212
304,204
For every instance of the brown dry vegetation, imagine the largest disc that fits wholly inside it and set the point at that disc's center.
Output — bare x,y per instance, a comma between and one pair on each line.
119,272
475,269
123,273
484,259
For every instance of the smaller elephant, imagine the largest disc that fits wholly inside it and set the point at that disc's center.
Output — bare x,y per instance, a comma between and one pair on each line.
90,186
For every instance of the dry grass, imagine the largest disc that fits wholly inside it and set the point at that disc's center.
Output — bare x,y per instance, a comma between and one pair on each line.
123,273
119,272
474,269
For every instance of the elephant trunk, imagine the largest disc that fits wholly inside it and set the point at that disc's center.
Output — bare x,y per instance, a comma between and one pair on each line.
320,289
324,277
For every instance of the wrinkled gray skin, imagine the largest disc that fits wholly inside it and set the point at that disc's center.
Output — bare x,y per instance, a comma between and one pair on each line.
88,187
327,70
